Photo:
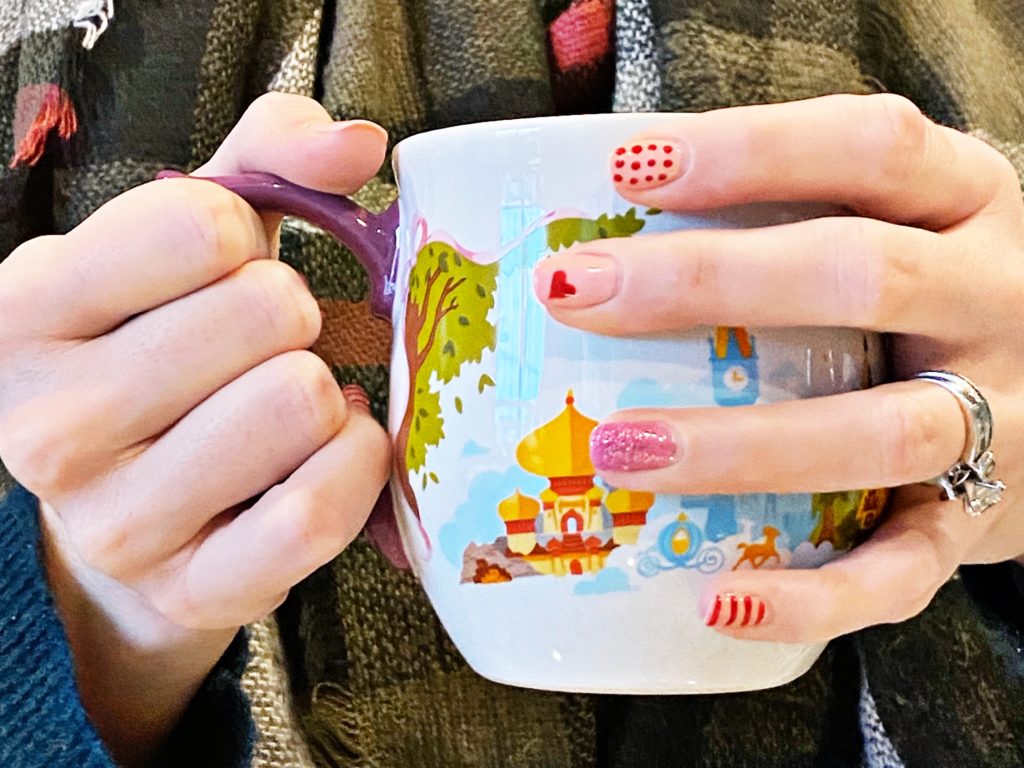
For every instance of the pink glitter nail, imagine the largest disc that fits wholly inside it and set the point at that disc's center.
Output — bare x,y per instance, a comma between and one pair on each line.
623,446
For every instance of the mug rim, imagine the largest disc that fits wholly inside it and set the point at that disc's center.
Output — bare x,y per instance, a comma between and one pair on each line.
528,122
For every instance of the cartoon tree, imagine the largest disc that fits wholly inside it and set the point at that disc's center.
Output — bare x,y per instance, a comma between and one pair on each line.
446,327
836,518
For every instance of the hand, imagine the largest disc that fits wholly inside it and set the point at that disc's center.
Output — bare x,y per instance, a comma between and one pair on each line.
934,256
153,378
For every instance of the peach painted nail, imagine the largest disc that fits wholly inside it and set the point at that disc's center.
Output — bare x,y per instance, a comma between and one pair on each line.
576,281
626,446
356,396
734,610
347,126
646,164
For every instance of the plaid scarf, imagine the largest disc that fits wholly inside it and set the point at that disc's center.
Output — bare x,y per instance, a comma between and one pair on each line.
355,670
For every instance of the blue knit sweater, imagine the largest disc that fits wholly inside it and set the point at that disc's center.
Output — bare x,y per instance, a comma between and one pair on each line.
42,721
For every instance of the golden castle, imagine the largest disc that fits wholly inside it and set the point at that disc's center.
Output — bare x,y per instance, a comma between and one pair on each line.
574,525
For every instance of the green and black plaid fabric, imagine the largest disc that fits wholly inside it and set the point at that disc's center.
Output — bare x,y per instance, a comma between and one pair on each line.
373,679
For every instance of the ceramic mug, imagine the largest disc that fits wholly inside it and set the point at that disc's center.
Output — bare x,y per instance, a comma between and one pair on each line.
544,575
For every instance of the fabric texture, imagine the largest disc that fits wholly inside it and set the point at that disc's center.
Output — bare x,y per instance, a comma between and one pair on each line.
41,719
42,722
371,678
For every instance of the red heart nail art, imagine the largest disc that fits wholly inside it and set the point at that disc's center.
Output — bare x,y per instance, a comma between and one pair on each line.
560,287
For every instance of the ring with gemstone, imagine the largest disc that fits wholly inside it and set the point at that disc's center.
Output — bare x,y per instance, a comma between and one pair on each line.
969,479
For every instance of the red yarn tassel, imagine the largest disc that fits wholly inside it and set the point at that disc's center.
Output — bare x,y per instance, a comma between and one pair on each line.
49,108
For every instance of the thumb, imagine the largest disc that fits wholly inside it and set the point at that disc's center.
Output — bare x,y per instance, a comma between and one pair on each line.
295,138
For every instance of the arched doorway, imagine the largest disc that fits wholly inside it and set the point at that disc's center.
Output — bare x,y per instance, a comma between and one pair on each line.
572,522
575,568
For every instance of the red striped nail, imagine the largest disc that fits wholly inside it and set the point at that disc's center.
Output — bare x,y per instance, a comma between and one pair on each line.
732,610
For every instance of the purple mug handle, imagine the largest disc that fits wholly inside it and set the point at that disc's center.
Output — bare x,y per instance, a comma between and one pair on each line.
371,237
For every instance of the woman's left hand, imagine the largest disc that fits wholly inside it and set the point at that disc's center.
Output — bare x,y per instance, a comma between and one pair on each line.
934,256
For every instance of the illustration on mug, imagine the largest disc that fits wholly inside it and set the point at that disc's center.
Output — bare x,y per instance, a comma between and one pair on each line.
449,325
572,526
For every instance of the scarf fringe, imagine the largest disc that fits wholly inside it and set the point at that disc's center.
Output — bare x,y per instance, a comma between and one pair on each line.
55,112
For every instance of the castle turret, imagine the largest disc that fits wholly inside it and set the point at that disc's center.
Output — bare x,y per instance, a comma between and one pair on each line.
560,451
629,513
520,515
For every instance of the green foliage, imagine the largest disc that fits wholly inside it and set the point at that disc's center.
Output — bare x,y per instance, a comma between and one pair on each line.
449,300
844,517
467,290
566,232
427,427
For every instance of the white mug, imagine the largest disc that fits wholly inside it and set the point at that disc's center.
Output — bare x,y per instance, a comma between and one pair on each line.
543,575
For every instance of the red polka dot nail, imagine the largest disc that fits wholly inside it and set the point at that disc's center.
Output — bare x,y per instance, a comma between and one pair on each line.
647,164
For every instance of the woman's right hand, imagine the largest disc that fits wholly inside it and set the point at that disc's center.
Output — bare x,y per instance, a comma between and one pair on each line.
153,378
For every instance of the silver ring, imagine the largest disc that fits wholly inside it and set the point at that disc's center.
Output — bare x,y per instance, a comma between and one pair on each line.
970,478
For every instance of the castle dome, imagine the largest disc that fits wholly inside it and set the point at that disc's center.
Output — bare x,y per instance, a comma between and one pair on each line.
518,507
623,500
560,448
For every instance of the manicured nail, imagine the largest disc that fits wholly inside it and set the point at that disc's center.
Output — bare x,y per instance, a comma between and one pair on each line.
344,126
356,396
624,446
577,280
734,610
646,164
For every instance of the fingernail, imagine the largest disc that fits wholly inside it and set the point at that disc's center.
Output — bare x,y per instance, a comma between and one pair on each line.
647,164
356,395
577,280
344,126
731,609
624,446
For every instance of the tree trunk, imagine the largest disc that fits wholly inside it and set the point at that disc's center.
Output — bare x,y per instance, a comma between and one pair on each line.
401,452
402,438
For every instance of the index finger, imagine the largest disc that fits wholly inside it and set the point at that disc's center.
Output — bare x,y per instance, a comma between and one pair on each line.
143,249
878,155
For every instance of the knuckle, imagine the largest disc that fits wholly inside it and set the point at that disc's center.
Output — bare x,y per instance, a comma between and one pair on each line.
897,132
853,278
269,105
103,545
218,225
279,301
868,275
694,270
1003,172
31,251
306,522
309,395
17,302
174,602
318,525
41,459
911,605
913,435
700,271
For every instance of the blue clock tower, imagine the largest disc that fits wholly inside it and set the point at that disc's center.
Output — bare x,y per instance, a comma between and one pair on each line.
734,366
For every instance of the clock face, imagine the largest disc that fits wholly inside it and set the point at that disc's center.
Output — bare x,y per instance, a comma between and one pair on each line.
736,378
